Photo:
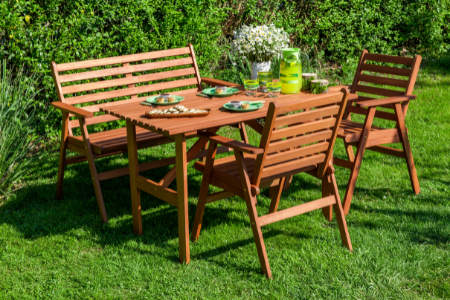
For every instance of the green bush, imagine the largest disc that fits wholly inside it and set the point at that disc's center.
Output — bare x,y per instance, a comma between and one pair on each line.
18,138
65,31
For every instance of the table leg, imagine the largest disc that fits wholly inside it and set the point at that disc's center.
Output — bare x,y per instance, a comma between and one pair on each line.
134,172
182,195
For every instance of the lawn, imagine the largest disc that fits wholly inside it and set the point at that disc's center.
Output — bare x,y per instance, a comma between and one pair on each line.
401,241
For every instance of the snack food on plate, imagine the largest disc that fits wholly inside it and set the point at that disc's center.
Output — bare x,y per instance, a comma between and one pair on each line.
245,105
171,99
160,100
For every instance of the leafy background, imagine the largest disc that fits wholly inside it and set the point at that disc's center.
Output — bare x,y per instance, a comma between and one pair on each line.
336,31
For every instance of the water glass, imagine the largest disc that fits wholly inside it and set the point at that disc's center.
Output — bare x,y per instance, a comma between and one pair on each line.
251,86
274,88
264,77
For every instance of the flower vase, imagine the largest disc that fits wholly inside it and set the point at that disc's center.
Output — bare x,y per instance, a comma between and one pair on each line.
259,66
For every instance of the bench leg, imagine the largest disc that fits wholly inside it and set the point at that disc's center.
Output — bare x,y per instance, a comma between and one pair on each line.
93,169
62,155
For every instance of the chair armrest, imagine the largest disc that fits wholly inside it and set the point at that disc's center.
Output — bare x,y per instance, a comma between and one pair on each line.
215,82
385,101
79,112
235,145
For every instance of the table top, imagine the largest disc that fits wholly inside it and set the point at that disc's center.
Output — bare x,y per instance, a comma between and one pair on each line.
219,116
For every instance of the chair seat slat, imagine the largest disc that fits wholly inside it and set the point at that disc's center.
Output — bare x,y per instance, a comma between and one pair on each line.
121,59
125,70
131,91
126,81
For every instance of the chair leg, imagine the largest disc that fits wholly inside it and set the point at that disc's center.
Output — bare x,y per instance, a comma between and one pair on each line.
196,227
340,216
243,132
403,133
275,195
326,211
287,182
250,200
350,153
358,159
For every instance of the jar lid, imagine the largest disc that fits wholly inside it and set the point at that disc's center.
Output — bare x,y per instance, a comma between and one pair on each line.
322,82
309,75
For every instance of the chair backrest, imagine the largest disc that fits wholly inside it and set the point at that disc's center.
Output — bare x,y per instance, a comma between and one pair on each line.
369,70
299,134
123,78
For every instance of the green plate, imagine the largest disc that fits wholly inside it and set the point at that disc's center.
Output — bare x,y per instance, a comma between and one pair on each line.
253,107
212,92
152,100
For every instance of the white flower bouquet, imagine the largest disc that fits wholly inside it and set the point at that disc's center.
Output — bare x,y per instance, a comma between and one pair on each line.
259,43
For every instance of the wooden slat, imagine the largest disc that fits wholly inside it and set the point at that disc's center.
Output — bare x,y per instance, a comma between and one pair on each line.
386,70
300,140
343,163
295,153
307,116
378,91
383,80
121,59
126,81
378,114
293,165
219,196
303,128
310,102
94,120
388,150
152,188
131,91
297,210
374,134
125,70
389,59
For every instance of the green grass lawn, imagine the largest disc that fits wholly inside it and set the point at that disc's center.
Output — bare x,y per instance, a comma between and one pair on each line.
401,241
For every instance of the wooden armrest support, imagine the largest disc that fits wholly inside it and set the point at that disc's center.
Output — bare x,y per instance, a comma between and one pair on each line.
215,82
79,112
385,101
235,145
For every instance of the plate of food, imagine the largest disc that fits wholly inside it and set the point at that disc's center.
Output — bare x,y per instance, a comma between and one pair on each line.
179,111
243,106
220,91
164,99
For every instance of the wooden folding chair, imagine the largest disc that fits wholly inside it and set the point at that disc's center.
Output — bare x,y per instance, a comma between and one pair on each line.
366,136
290,144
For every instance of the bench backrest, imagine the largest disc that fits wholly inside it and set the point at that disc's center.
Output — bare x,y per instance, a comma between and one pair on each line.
123,78
299,134
385,86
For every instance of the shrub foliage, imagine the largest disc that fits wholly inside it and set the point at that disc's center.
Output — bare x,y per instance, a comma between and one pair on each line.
36,32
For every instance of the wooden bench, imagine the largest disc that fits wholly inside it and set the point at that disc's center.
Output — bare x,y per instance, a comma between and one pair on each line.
397,94
128,79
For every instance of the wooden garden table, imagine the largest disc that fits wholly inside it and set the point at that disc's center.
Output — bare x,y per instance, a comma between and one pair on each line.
178,129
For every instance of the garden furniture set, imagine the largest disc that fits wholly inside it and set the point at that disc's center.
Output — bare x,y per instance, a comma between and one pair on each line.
298,136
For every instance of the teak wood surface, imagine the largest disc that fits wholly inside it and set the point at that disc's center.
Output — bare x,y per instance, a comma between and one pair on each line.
177,130
121,74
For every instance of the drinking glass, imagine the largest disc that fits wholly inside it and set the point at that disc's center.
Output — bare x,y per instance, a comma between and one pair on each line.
264,77
274,88
251,86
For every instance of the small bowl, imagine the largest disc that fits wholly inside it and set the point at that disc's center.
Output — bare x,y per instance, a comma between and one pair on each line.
235,104
220,89
245,105
165,96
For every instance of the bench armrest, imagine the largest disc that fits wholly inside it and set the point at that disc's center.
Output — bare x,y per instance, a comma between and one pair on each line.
215,82
79,112
385,101
235,145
